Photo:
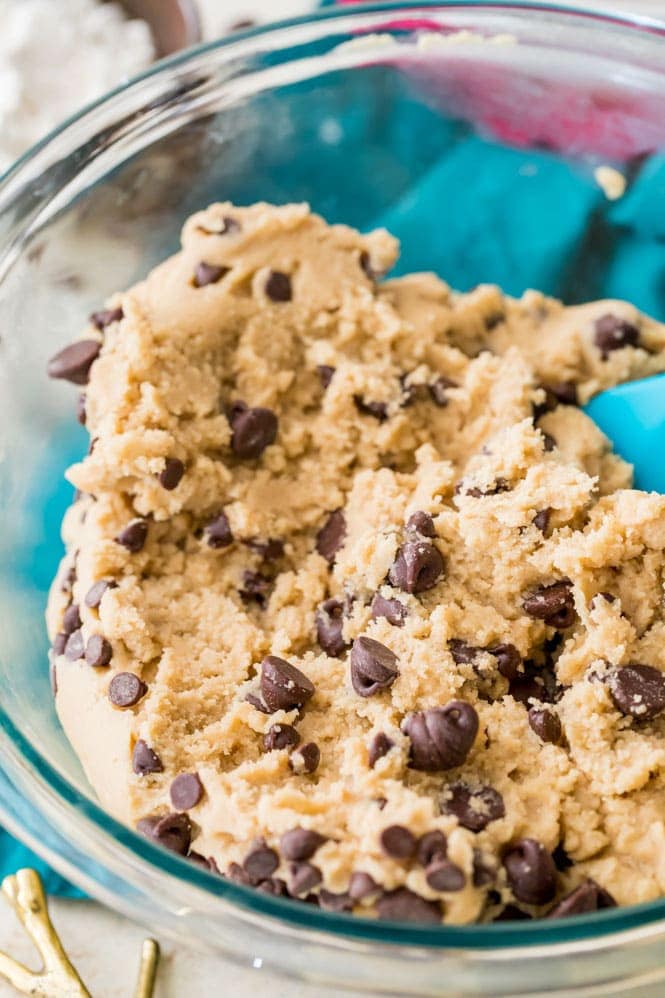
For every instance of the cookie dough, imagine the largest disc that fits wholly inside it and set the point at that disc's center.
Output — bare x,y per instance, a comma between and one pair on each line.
358,606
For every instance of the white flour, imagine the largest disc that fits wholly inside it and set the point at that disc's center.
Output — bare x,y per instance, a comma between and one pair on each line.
56,56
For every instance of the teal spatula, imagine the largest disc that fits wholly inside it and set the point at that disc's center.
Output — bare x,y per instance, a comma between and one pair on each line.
633,417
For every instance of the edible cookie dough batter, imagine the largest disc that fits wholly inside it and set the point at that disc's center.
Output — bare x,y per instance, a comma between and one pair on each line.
358,606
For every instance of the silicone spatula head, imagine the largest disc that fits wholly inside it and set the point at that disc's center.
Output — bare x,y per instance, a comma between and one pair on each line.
633,417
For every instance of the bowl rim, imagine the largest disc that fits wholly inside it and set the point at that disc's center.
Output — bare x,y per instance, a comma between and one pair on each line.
527,938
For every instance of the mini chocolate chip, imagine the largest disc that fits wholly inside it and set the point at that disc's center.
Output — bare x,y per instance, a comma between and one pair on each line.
393,610
237,875
441,737
562,860
325,372
300,843
282,685
98,651
443,875
174,831
587,897
549,443
74,362
199,860
417,567
255,587
361,886
69,577
75,646
511,913
134,536
81,414
496,487
305,759
252,430
126,689
565,392
546,724
483,872
208,273
421,523
606,597
534,684
531,871
379,410
303,877
431,846
171,475
508,659
335,902
463,653
554,604
439,391
412,392
270,550
331,536
542,519
186,791
613,333
71,619
94,595
218,532
280,736
637,691
330,626
59,642
278,286
379,746
274,886
105,317
144,760
398,842
373,666
260,862
474,807
402,905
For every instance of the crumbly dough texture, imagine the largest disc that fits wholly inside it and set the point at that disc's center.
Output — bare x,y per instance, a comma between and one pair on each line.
181,620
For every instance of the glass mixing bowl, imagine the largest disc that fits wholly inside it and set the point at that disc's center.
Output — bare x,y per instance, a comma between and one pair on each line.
473,131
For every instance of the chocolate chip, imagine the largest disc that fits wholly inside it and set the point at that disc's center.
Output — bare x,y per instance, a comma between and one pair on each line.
74,362
105,317
366,266
542,519
69,577
300,843
439,391
71,619
218,532
606,597
499,485
637,691
260,862
331,536
587,897
174,831
494,319
303,877
255,587
441,737
208,864
274,886
546,724
305,759
94,595
402,905
484,872
330,901
144,760
373,666
531,872
208,273
565,392
252,430
330,626
237,875
393,610
59,642
417,567
134,536
431,846
171,475
126,689
412,391
379,746
443,875
463,653
75,646
278,286
186,791
280,736
554,604
81,414
282,685
511,913
508,659
474,808
379,410
98,651
421,523
325,372
562,860
549,443
398,842
613,333
361,886
270,550
535,683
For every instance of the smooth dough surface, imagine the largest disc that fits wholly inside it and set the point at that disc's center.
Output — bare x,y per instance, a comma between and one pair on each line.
385,439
